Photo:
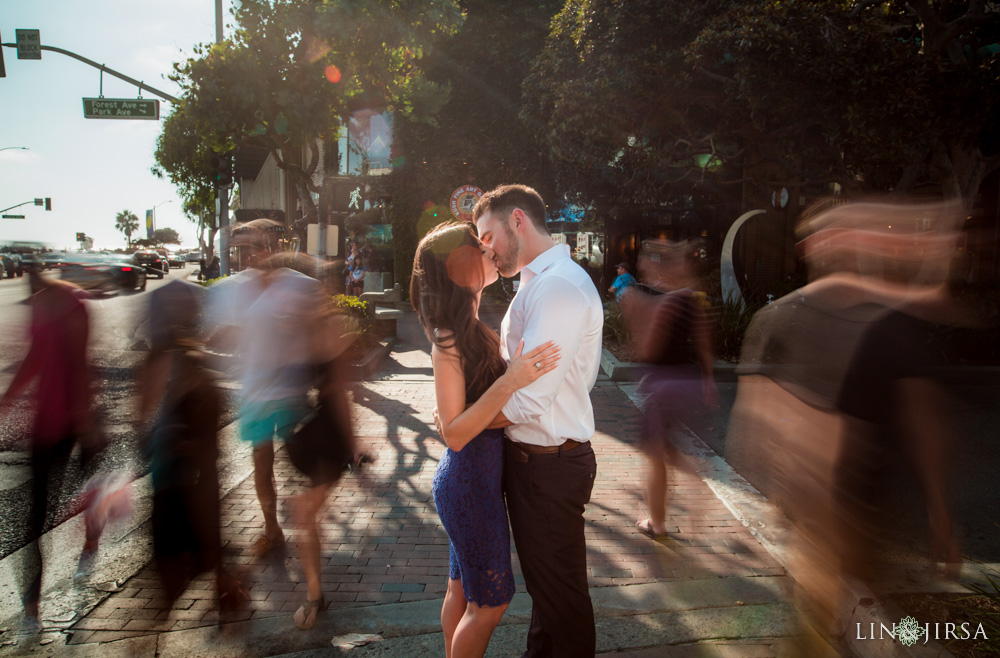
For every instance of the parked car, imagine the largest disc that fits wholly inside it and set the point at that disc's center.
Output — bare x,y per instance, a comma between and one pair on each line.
194,256
154,264
175,259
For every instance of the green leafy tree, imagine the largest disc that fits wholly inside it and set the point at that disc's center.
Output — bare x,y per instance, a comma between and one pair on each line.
166,236
874,96
127,223
652,100
295,69
183,155
478,136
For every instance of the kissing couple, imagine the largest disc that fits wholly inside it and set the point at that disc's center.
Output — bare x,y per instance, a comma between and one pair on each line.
515,413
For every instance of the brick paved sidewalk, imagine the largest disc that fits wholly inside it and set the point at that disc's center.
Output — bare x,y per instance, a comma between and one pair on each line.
383,542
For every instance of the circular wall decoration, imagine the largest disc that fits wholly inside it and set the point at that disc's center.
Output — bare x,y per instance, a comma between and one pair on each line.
463,200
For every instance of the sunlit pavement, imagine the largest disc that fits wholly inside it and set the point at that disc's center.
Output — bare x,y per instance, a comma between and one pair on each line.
715,587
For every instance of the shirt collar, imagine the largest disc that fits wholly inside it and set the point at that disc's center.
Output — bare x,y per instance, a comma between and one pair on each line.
543,261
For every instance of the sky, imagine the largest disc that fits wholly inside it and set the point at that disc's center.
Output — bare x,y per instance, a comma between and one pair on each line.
92,169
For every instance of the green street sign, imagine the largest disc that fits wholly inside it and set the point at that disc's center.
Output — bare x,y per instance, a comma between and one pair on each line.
121,108
12,216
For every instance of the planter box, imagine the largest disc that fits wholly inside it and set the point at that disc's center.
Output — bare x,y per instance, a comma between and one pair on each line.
377,281
623,371
371,361
619,371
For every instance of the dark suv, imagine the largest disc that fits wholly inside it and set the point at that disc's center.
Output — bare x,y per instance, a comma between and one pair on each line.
152,262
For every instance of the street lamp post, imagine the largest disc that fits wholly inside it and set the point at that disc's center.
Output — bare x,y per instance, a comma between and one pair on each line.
23,148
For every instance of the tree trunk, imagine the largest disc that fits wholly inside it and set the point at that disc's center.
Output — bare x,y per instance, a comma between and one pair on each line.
210,251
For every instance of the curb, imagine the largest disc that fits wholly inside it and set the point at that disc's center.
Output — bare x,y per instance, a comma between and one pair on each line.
776,534
626,371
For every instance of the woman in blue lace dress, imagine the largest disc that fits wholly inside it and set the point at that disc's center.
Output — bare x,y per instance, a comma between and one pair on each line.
471,384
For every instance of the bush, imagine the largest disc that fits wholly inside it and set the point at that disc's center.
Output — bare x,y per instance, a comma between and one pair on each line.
352,305
731,319
207,282
615,325
359,313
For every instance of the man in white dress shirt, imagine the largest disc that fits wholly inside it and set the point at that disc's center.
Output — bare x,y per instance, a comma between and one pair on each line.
549,465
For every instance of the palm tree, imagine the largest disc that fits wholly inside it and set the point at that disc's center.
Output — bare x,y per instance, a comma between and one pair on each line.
127,222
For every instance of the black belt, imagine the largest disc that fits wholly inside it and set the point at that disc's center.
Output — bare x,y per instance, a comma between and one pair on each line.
522,451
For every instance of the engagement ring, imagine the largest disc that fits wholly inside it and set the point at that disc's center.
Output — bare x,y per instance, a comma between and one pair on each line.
538,365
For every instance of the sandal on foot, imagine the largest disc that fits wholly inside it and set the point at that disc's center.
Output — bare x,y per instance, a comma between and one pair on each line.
305,616
646,527
267,543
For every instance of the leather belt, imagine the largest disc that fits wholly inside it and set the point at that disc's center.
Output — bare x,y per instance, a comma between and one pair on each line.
522,451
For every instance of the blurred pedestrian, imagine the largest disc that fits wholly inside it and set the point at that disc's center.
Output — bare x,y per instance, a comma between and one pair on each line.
276,321
833,371
183,447
63,414
623,281
450,270
321,446
257,315
672,338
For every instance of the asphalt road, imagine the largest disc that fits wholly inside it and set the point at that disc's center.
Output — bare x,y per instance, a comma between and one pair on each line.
117,347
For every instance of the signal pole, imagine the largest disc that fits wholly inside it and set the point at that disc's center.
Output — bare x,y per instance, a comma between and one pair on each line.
222,189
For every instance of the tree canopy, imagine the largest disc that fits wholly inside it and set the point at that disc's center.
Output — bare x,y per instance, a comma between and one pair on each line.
654,99
477,137
295,69
185,157
166,236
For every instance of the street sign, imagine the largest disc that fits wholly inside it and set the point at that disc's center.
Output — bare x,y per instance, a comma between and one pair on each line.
121,108
12,216
29,44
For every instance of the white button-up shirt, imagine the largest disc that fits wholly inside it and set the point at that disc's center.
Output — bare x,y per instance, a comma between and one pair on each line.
556,301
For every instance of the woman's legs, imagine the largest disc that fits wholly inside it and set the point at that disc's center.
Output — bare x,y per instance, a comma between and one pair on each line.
263,478
451,612
475,629
306,508
656,493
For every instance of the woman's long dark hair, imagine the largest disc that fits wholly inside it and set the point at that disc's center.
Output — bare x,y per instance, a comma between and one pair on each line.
447,274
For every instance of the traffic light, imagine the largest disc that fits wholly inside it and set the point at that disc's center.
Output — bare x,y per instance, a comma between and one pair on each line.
348,195
80,237
48,203
222,170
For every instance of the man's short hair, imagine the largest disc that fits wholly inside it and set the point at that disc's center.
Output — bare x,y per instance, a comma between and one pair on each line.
504,199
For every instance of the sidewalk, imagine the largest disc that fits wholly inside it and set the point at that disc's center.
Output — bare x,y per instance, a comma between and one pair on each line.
712,589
